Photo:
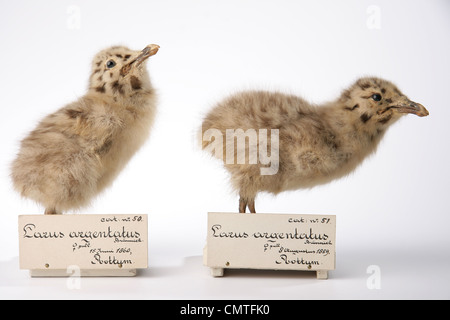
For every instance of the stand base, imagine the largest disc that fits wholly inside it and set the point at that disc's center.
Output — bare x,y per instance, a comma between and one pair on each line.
84,273
219,272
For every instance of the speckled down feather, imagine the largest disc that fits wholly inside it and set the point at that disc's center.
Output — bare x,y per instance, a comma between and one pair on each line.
316,143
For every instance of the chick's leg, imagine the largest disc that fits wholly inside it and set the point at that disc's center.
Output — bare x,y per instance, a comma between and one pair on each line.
51,211
242,204
251,205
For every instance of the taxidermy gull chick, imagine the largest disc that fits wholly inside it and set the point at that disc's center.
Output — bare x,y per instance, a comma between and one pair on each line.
76,152
310,144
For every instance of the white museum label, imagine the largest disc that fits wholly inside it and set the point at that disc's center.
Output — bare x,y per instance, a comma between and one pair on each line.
271,241
55,242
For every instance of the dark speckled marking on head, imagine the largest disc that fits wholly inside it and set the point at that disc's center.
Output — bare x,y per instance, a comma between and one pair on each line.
364,86
117,87
353,108
346,95
388,100
365,117
101,88
135,83
385,119
384,110
383,90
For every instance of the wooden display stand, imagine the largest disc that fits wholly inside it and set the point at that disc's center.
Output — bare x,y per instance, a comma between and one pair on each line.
271,242
83,245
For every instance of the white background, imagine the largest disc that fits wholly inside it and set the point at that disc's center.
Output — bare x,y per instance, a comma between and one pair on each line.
393,212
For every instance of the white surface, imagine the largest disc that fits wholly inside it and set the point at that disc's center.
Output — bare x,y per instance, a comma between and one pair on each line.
392,213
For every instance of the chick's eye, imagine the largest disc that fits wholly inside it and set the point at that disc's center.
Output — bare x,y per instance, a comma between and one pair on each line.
376,97
110,64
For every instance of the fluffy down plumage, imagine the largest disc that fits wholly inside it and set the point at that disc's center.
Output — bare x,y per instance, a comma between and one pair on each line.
76,152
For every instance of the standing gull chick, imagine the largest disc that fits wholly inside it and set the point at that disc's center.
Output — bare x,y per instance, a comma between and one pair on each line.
76,152
316,145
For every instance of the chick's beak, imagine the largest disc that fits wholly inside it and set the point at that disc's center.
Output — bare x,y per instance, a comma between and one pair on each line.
147,52
414,108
